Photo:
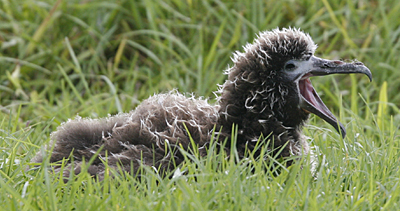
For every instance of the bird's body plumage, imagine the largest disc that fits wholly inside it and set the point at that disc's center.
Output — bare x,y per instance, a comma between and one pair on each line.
267,94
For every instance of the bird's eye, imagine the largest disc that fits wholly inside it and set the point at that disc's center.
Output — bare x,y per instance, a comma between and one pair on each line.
308,56
289,66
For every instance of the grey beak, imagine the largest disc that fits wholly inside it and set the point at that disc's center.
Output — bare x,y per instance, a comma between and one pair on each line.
327,67
309,100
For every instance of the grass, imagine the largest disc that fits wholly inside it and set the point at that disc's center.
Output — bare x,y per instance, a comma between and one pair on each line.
94,58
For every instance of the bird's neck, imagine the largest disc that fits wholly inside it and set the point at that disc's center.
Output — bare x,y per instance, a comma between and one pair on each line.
256,111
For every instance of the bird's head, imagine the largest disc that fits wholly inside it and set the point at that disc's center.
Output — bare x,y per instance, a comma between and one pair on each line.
273,76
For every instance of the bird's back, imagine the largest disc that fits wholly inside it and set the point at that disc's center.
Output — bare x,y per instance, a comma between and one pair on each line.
144,136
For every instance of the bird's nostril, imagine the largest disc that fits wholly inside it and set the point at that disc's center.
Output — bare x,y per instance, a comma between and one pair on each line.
338,62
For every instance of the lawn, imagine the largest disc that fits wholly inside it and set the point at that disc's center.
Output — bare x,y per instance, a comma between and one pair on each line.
96,57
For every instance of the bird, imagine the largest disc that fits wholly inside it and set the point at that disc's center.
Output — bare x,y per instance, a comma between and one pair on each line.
268,93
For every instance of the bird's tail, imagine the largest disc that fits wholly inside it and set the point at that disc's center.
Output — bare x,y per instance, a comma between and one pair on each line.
79,136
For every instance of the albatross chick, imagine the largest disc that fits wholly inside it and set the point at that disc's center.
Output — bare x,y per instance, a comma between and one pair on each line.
268,93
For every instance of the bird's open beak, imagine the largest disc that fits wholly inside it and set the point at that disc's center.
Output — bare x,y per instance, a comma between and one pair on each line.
309,100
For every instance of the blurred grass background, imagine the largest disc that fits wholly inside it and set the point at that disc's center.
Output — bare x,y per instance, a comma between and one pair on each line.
94,58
